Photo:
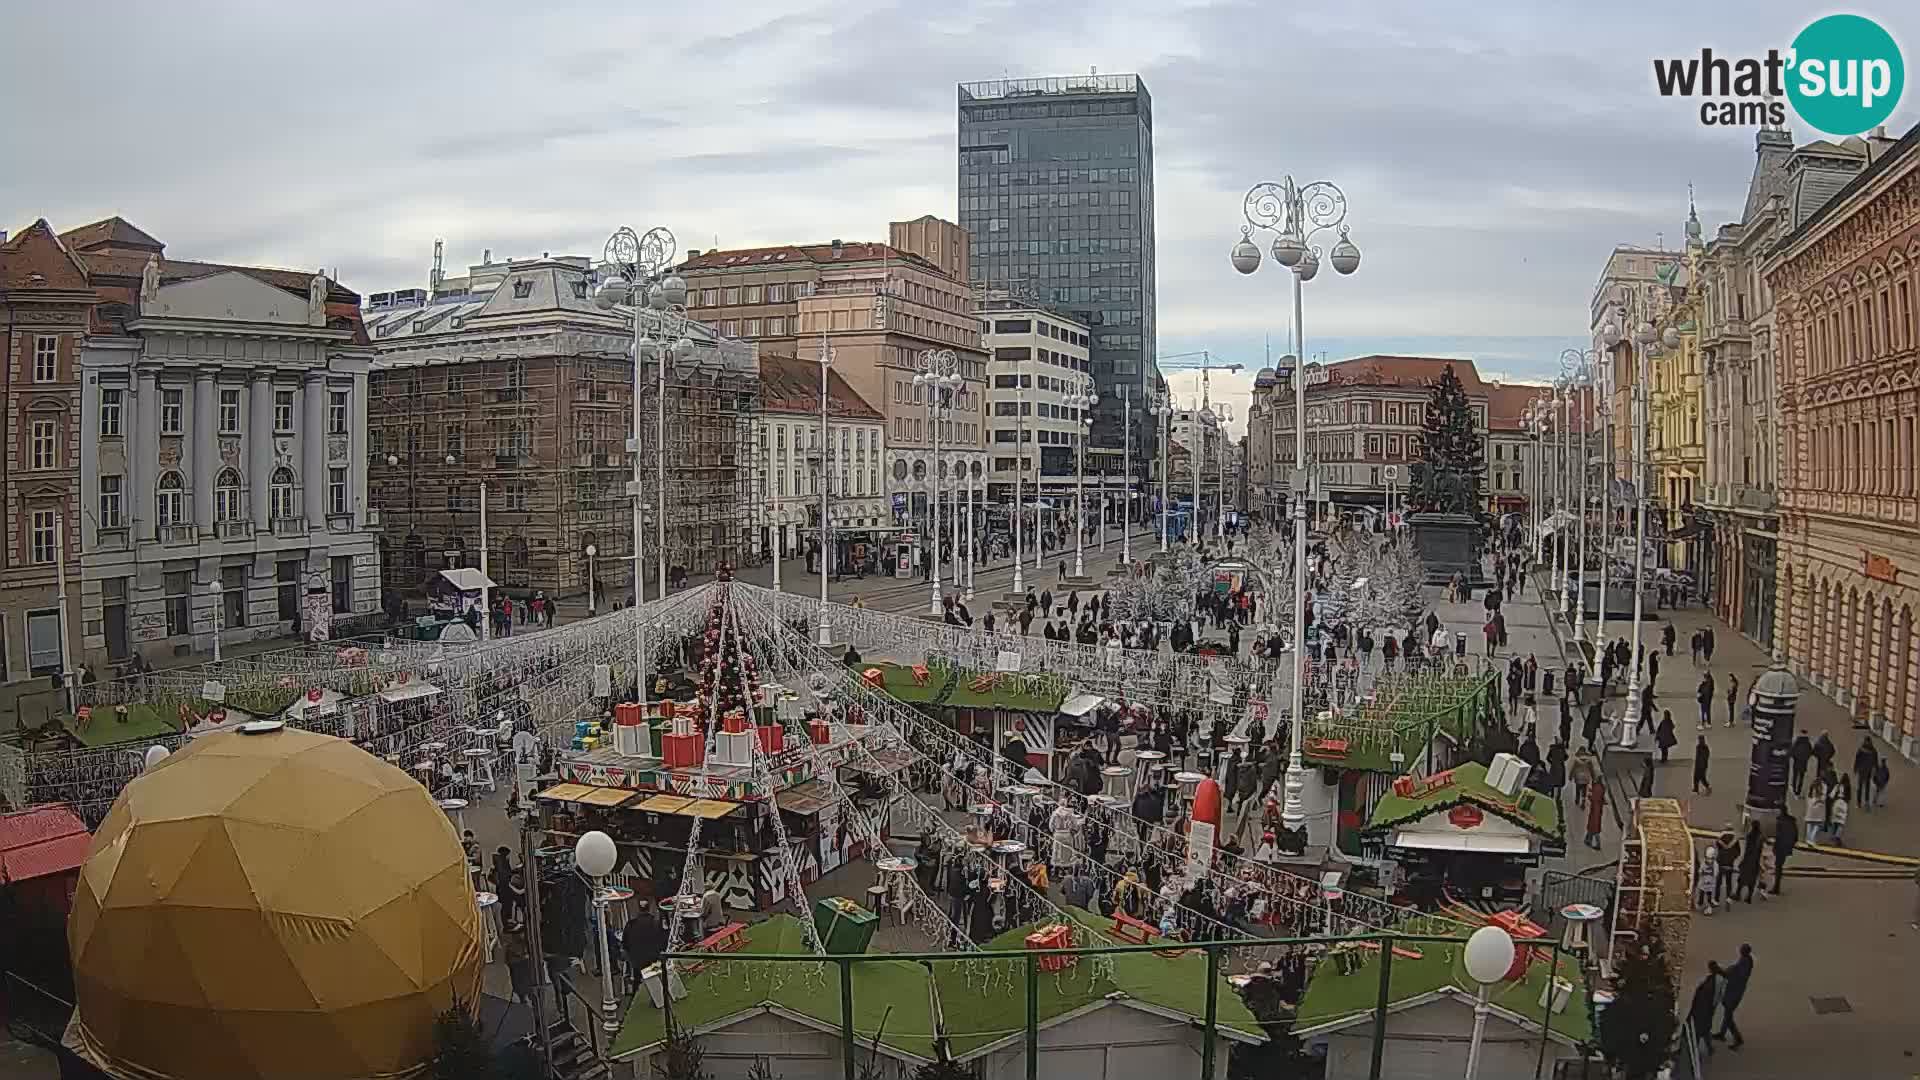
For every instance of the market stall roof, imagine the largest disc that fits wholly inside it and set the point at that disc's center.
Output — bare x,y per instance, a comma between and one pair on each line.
882,762
1467,784
808,798
565,792
39,841
1081,704
409,691
467,579
685,806
1489,845
1334,1001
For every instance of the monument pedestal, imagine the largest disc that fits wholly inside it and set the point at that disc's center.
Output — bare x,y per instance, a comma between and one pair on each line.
1448,544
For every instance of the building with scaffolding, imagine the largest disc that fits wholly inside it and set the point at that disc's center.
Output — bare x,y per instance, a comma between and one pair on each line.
511,380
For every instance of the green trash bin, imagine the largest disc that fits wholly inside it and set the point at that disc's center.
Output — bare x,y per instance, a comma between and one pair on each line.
844,926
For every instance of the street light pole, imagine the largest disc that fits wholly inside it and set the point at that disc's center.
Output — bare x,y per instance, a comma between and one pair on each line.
1579,368
1019,471
825,636
1563,561
966,473
216,589
1296,214
1083,402
1604,409
1126,477
939,371
1643,335
1223,415
592,592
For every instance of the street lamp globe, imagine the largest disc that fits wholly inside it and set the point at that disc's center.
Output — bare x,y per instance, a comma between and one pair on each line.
1346,254
592,550
594,853
1670,338
451,459
611,292
1289,247
392,460
674,288
683,349
1610,333
1309,266
216,588
1643,334
1246,253
1489,955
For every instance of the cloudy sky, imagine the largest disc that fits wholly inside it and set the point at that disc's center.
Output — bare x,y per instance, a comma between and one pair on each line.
1491,153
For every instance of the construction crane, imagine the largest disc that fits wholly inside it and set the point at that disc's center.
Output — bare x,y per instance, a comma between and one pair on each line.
1205,365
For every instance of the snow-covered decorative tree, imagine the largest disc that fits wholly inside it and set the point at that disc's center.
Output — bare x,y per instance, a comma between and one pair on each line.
1376,581
1637,1030
1451,467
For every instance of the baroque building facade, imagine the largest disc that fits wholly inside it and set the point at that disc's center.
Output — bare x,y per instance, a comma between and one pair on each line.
1844,283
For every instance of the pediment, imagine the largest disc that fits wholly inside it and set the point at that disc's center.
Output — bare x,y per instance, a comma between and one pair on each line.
229,296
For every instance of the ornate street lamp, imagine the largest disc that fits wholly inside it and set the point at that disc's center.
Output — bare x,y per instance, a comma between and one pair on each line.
1083,402
1295,214
940,375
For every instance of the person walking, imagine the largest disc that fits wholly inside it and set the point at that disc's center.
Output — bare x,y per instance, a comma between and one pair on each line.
1800,754
1837,811
1738,976
1816,808
1596,805
1864,759
1666,637
1663,736
1726,856
1786,835
1704,695
1582,769
1733,697
1750,855
1706,1000
1882,776
1702,754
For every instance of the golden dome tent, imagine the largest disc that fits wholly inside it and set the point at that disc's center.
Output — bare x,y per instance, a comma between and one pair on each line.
273,904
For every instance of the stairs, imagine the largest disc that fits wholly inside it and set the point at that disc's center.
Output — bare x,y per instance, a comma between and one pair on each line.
573,1054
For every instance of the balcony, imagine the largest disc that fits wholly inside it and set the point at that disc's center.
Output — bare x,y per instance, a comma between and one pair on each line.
111,538
238,529
1725,331
179,534
290,527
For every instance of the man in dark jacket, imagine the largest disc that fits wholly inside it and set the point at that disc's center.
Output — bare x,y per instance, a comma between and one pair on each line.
1801,753
1738,975
1823,753
1590,730
1786,834
1705,997
1704,695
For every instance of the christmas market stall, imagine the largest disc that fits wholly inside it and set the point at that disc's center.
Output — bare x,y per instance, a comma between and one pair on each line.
988,705
1466,834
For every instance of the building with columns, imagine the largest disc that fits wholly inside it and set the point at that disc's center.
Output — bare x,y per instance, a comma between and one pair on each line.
1844,282
223,420
1676,442
1737,509
792,467
44,299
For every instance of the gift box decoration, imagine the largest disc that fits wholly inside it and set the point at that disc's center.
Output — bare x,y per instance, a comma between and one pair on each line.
627,714
682,723
819,732
734,747
633,740
734,721
682,751
773,738
666,708
844,926
1053,936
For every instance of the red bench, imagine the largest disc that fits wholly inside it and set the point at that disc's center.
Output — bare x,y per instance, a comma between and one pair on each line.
1132,930
729,938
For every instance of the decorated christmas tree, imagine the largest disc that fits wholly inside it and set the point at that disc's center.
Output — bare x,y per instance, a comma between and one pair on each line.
1449,472
1637,1030
726,671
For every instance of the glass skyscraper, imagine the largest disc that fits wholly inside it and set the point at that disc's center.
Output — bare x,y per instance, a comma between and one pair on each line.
1056,191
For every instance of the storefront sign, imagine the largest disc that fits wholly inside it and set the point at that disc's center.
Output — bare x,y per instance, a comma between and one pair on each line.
1879,567
1466,816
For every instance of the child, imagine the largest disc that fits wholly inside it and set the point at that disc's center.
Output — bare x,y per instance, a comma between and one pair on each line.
1706,880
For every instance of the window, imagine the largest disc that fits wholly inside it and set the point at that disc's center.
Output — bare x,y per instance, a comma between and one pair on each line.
286,589
732,295
230,412
43,641
776,294
753,294
282,411
233,596
1373,446
342,584
110,413
753,327
709,297
172,503
226,496
456,383
41,537
456,438
777,326
113,611
44,445
336,491
46,358
178,586
337,412
516,496
111,506
280,494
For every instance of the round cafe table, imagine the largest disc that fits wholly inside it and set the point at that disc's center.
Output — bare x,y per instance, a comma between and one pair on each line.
1144,764
489,905
896,872
456,809
1116,779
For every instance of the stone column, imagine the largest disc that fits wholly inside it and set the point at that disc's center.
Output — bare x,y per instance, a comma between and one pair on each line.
313,447
143,453
357,450
205,428
260,453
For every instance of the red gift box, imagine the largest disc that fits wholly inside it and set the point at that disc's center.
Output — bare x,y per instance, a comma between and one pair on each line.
627,714
682,751
773,738
819,732
1055,936
734,723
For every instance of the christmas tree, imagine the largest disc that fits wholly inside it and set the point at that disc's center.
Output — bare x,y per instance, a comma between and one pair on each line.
1447,478
1636,1031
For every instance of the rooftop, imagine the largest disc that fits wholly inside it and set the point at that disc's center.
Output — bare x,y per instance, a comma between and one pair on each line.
785,255
1055,86
39,841
792,385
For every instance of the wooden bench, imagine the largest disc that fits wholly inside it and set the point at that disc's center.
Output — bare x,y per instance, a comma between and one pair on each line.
921,676
729,938
1132,930
1399,951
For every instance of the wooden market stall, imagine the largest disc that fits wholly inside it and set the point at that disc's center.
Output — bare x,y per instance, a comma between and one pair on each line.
987,705
1468,833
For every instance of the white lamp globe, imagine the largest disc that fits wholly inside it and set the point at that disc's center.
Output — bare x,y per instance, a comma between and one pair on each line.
611,291
683,348
157,754
1309,266
1246,255
592,551
1671,338
1489,953
1346,255
674,288
1610,333
1289,247
1643,333
595,855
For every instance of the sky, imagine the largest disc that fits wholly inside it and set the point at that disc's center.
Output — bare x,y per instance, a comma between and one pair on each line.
1492,154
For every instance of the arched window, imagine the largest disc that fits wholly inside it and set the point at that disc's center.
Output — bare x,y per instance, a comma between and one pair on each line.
226,496
282,494
172,506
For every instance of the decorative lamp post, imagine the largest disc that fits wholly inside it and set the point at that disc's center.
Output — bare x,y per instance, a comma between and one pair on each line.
1489,958
216,589
970,471
592,592
825,636
1126,478
1223,415
595,855
1581,369
1083,402
635,264
940,375
1609,333
1643,336
1019,474
1295,214
1202,420
1163,409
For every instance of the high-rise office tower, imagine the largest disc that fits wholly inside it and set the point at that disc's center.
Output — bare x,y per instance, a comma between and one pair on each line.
1056,191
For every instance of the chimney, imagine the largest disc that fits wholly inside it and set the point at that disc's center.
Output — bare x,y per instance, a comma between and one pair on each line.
693,253
836,248
486,256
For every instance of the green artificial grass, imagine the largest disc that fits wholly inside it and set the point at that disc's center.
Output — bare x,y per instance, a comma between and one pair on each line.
144,722
1407,729
1332,996
949,687
1539,812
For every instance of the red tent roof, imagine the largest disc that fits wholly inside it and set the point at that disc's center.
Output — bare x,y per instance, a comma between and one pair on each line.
40,841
